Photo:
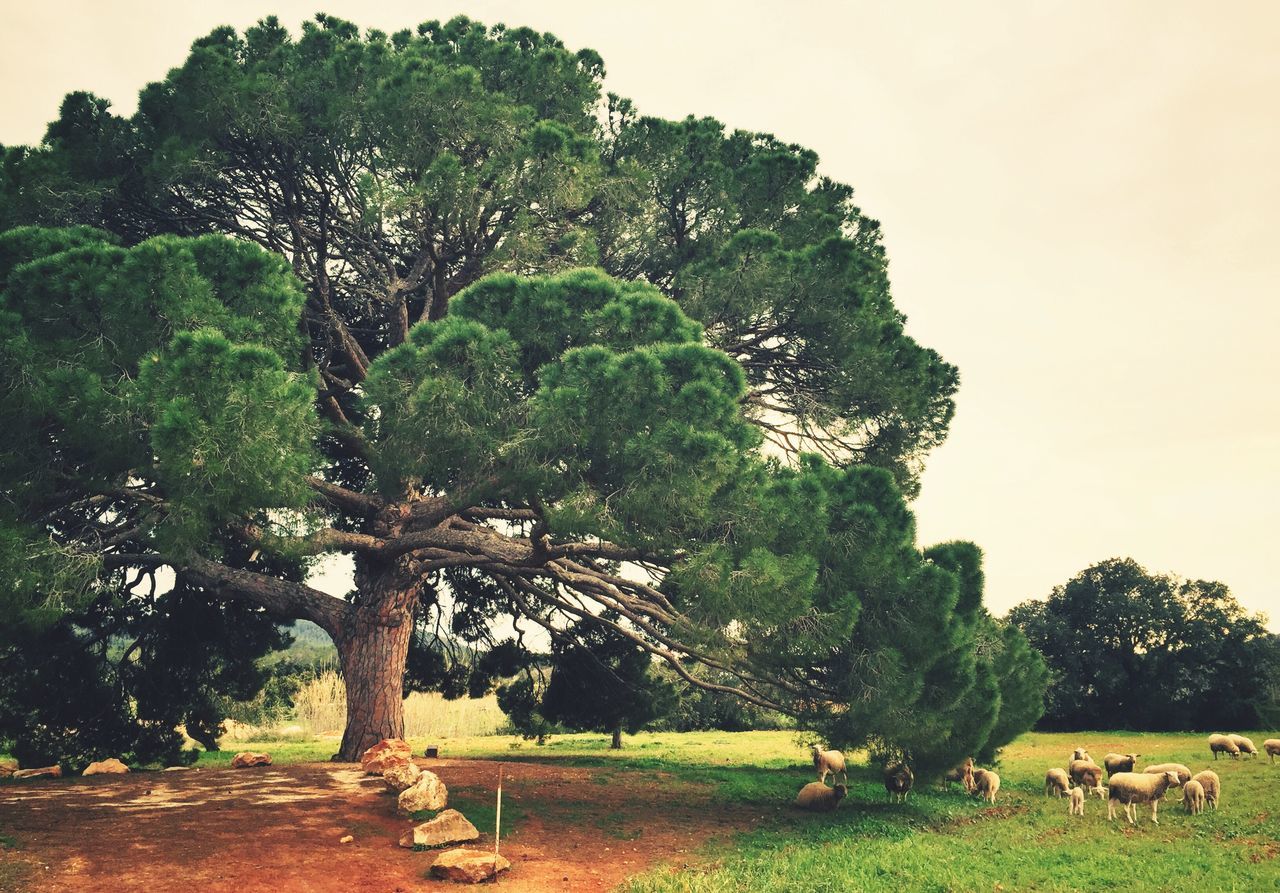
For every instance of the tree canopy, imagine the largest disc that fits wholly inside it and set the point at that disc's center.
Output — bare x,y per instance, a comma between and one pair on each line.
431,301
1129,649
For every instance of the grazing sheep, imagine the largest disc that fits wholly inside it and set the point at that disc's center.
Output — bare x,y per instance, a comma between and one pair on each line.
1120,762
1081,754
1245,745
1208,779
986,784
1183,773
898,779
1132,788
1087,774
1077,802
1193,797
1223,744
1056,783
829,762
817,797
962,774
1272,747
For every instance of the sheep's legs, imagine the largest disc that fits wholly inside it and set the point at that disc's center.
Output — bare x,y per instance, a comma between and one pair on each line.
1155,805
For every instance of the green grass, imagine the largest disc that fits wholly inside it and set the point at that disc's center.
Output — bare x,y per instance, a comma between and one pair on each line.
936,842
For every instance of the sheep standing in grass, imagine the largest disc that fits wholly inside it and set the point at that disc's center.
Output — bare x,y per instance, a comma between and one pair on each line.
1077,802
1183,773
1087,773
1193,797
1081,754
962,774
1208,780
1223,744
1272,747
898,779
1120,762
986,784
829,762
1244,744
1132,788
1056,782
817,797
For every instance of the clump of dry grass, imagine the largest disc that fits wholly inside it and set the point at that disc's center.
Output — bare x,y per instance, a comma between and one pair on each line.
320,706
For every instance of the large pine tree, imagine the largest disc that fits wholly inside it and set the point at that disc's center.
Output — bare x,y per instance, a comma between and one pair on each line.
333,303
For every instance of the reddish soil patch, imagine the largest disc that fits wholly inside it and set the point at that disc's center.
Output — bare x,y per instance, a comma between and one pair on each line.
277,828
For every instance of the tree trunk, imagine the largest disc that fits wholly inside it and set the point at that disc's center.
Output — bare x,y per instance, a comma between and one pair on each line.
616,744
373,649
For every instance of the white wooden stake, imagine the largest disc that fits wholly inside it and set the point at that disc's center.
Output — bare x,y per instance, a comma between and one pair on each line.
497,823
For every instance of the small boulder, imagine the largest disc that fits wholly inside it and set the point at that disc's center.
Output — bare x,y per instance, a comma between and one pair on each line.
49,771
448,827
106,767
346,839
428,792
468,866
378,758
400,776
247,758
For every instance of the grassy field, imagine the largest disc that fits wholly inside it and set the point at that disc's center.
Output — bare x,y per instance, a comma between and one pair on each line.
938,841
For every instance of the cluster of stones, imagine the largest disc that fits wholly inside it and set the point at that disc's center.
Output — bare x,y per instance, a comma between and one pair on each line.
417,790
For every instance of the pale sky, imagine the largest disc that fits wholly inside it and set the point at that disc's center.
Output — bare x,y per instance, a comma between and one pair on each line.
1081,204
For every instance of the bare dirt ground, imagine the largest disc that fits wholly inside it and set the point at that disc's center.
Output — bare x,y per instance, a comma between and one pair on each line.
278,829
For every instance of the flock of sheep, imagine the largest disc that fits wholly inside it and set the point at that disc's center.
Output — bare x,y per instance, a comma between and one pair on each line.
898,781
1082,775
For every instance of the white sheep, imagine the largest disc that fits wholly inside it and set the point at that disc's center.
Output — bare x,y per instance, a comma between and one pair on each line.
1081,754
817,797
1245,745
1120,762
1193,797
1272,747
1223,744
1056,783
1132,788
829,762
1183,773
1208,780
1077,802
986,784
1087,773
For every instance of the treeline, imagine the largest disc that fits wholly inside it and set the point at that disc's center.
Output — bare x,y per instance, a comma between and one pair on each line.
1129,649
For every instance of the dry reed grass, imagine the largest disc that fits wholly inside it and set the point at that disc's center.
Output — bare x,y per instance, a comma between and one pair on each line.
320,707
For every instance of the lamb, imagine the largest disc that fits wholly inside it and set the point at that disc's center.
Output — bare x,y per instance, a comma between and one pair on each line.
986,784
1223,744
898,779
962,774
1208,779
829,762
1272,747
817,797
1132,788
1088,774
1076,806
1245,745
1120,762
1193,797
1056,782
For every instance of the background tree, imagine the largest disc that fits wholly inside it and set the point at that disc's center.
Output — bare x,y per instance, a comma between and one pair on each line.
1131,649
601,682
478,448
